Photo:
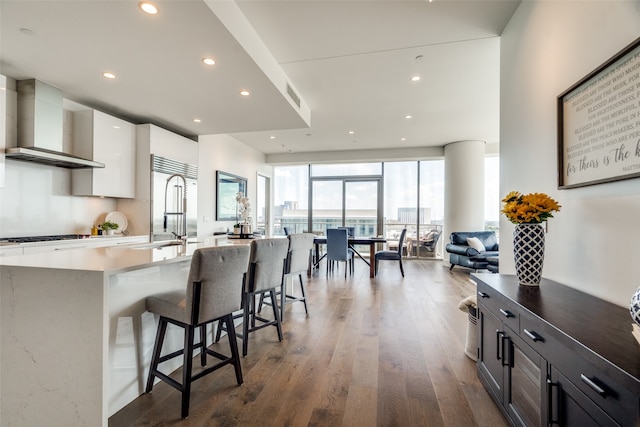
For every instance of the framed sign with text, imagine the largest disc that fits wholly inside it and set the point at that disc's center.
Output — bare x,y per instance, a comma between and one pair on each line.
599,123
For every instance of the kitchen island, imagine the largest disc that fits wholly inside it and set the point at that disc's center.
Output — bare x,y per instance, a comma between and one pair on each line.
75,336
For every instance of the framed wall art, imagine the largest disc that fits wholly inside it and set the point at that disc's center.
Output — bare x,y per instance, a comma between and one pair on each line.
599,123
227,186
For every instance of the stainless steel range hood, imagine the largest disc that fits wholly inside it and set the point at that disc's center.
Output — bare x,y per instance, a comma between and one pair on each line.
40,130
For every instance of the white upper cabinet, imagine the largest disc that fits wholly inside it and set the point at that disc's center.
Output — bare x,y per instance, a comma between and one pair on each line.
109,140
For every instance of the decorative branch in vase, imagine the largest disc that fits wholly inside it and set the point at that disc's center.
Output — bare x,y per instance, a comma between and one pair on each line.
243,208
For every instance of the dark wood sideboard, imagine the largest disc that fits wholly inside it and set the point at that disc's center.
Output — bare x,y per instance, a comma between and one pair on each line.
552,355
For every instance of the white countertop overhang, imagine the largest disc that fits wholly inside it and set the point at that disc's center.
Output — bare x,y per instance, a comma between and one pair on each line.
112,259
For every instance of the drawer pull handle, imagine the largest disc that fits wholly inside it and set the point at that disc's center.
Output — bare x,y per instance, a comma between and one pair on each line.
595,387
506,313
552,407
534,336
483,295
499,336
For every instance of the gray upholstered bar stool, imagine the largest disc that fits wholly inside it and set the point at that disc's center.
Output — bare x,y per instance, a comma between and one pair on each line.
212,293
298,262
264,275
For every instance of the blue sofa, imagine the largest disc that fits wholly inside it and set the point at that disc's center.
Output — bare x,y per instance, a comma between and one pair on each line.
460,253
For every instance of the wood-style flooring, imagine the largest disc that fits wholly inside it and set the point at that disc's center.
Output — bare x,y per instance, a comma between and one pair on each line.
387,351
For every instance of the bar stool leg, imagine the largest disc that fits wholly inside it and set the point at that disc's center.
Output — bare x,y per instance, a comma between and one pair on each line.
233,343
186,369
304,297
203,343
245,324
157,348
272,292
283,298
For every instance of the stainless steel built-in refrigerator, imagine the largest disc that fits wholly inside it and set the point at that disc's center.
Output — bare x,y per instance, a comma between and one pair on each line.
174,199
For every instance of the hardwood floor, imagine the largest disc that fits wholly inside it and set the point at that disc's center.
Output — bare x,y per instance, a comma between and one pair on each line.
372,352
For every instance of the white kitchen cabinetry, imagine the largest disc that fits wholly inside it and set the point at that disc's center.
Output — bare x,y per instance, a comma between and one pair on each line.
109,140
151,139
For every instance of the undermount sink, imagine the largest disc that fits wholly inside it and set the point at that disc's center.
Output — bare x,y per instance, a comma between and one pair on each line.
157,245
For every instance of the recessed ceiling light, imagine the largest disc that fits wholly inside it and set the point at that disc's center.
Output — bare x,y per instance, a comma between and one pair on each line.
419,57
108,75
196,120
148,8
272,137
408,116
351,132
244,93
208,61
116,127
415,78
403,139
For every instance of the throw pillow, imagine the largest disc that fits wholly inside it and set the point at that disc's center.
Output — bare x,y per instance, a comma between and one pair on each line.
428,238
476,244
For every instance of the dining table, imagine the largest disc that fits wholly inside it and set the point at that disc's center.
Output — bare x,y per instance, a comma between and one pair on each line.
352,241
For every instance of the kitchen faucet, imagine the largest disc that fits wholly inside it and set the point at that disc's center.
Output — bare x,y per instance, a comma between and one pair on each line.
181,208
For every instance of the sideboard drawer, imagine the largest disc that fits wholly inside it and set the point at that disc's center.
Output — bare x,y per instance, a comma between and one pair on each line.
504,309
536,333
601,382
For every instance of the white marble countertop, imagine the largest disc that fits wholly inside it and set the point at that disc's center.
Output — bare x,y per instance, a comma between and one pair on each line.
113,259
118,236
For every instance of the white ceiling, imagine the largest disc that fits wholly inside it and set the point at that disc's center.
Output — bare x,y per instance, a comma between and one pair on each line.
349,61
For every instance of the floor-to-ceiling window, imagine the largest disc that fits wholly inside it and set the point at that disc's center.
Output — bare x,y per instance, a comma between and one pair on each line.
400,203
346,195
414,199
376,198
291,198
263,221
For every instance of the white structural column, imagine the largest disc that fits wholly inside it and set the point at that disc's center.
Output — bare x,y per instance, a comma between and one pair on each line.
464,188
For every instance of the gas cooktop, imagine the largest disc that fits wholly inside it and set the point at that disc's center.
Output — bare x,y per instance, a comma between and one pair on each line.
31,239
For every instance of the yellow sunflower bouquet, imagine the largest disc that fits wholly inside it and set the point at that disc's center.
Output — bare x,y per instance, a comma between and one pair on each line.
533,208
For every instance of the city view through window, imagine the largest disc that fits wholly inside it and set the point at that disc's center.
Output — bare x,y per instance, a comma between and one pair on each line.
377,199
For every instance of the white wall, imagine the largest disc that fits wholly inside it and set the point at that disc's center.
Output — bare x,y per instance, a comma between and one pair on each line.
37,200
225,153
592,243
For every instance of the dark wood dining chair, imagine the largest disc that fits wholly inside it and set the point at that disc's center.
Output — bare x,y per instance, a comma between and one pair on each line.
338,249
392,255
